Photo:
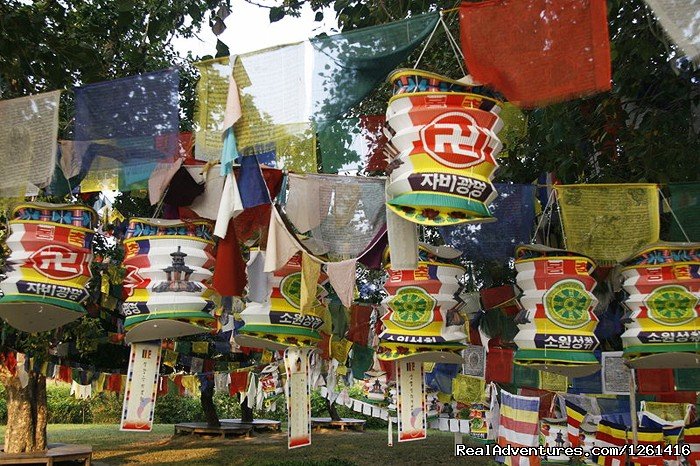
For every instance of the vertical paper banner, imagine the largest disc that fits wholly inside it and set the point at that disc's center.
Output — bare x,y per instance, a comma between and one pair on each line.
298,392
141,387
410,408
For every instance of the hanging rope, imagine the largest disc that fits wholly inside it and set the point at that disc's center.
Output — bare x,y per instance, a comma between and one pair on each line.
544,214
685,235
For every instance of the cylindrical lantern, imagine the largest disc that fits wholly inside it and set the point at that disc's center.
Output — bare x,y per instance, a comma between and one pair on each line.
663,287
279,322
422,319
556,329
442,148
48,267
167,285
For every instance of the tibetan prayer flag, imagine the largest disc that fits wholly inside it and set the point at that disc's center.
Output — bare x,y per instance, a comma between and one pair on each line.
28,143
342,214
212,92
347,66
537,52
679,18
574,418
609,222
127,126
519,426
514,208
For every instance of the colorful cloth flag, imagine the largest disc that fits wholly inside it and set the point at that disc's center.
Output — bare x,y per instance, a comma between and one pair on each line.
537,52
515,211
609,222
519,426
679,18
610,434
691,436
574,418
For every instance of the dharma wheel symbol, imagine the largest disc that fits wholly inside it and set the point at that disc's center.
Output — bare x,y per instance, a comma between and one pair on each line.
412,308
290,287
671,305
567,304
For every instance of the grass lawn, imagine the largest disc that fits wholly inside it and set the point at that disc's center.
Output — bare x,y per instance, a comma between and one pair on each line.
328,447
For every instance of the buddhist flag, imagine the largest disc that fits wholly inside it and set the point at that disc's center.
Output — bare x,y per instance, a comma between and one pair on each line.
519,426
691,436
574,418
610,434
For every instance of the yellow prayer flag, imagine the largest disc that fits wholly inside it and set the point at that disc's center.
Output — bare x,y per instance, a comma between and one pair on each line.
310,273
467,389
553,382
609,222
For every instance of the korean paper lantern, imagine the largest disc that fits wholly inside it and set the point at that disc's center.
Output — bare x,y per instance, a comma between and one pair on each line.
169,267
556,330
422,319
442,149
48,267
663,323
279,322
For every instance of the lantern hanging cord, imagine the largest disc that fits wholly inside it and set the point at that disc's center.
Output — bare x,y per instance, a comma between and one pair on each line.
685,235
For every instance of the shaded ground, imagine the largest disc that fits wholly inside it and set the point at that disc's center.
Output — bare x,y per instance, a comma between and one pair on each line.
329,447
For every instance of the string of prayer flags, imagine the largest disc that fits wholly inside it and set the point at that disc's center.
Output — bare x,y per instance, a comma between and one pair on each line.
609,222
537,52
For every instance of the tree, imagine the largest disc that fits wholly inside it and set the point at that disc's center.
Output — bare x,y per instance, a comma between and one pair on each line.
49,45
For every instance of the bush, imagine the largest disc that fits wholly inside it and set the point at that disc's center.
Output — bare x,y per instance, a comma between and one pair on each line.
106,408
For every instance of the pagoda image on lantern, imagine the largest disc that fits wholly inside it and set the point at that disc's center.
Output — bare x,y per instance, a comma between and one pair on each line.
169,267
422,320
178,276
662,283
48,268
556,322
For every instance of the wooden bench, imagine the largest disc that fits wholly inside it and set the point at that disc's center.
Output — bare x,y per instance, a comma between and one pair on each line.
201,428
320,422
257,424
55,452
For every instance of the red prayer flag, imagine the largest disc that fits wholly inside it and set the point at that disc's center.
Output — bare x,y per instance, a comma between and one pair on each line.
536,52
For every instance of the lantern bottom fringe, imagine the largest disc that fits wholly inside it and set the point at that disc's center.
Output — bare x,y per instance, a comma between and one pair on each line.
158,329
671,356
563,362
33,314
273,342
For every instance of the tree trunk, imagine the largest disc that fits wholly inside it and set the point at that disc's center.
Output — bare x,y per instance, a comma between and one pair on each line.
246,412
26,414
332,411
207,399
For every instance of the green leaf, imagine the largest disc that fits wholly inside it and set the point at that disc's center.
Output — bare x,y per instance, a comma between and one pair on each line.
276,14
319,16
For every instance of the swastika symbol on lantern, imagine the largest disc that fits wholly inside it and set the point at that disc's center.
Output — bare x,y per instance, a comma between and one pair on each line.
454,140
59,262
